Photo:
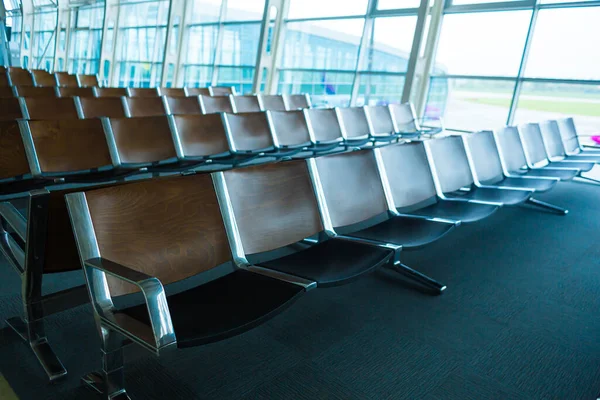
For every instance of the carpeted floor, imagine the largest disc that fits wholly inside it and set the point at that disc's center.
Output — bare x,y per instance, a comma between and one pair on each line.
519,320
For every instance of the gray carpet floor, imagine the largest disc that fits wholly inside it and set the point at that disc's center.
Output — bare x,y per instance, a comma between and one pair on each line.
519,320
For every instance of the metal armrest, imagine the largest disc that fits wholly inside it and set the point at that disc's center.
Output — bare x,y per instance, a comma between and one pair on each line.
154,294
432,219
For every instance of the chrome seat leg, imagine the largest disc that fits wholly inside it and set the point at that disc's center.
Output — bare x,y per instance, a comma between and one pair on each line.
110,380
419,277
548,206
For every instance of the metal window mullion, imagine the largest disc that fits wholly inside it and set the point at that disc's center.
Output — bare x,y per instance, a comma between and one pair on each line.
518,84
219,45
415,51
363,49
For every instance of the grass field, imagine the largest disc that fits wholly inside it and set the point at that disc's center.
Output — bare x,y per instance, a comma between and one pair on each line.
550,105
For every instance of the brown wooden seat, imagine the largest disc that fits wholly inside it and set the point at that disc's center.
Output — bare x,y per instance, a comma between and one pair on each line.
271,102
4,79
221,90
13,160
183,105
66,79
34,91
72,91
243,104
142,142
111,92
49,108
6,92
43,78
10,109
296,101
172,92
95,107
189,91
87,80
356,127
19,76
325,125
145,106
147,235
218,104
143,92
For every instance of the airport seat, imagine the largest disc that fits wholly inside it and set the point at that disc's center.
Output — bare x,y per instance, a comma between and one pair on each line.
535,151
271,102
4,79
512,154
324,124
46,108
142,92
357,129
172,92
72,91
273,206
189,91
96,107
183,105
6,92
407,124
380,121
354,196
145,106
454,179
405,170
10,109
127,249
87,80
217,104
568,132
221,90
66,79
486,165
35,91
111,92
19,76
245,103
554,145
43,78
296,101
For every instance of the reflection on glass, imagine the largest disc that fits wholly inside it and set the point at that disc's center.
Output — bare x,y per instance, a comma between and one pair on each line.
238,77
540,101
485,44
470,104
328,8
205,10
244,10
380,89
322,44
570,51
86,38
390,44
326,88
397,4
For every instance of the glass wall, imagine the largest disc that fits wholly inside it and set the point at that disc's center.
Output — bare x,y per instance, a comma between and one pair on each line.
85,39
44,36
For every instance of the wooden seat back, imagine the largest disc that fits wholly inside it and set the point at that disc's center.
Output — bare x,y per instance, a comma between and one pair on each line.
380,119
66,79
6,92
172,92
10,109
248,131
325,124
69,145
272,102
95,107
4,80
111,92
274,205
143,140
450,163
290,127
354,122
201,135
87,80
50,108
189,91
72,91
143,92
405,117
13,159
145,106
221,90
43,78
243,104
35,91
19,76
169,228
217,104
352,187
183,105
296,101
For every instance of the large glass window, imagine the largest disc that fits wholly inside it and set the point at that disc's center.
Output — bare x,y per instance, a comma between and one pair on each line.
565,44
483,44
86,39
396,4
329,8
44,37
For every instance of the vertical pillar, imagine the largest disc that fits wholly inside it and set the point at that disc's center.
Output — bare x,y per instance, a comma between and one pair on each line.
108,46
175,34
413,61
63,26
363,50
27,27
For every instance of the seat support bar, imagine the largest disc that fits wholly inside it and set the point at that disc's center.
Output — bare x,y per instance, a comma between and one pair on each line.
419,277
547,206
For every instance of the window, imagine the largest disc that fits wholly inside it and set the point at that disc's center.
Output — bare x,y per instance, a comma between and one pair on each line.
325,87
327,8
85,39
397,4
540,101
568,52
390,44
483,44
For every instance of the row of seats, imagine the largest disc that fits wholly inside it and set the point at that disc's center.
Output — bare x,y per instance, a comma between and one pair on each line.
16,76
95,91
93,107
